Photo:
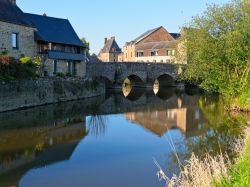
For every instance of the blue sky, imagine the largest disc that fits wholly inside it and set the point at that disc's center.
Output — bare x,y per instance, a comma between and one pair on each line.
125,19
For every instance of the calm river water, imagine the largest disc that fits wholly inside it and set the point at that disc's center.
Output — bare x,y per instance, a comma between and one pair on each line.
111,141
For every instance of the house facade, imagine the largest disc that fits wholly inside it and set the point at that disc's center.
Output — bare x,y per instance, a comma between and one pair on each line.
111,52
16,33
53,39
156,45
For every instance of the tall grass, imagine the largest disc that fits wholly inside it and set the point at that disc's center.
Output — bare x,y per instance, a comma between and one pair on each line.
206,172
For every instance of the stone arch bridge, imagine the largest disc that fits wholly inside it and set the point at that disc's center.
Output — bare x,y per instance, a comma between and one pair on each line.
139,74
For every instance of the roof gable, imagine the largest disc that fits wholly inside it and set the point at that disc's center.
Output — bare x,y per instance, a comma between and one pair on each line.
111,46
144,35
10,12
54,30
159,34
151,36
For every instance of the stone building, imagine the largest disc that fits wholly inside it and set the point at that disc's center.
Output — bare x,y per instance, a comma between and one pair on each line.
53,39
111,52
59,45
155,45
16,33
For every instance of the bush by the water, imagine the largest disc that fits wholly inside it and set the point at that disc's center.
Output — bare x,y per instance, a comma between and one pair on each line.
218,50
12,69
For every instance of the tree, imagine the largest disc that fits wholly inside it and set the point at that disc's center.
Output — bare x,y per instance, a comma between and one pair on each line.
218,49
84,41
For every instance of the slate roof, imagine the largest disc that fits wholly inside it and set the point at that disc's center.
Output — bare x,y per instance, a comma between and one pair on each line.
157,45
12,14
175,35
111,46
54,30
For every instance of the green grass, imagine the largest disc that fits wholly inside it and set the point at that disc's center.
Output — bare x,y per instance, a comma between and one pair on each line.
240,172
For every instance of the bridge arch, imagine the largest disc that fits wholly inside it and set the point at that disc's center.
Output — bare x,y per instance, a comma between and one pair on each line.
165,80
134,81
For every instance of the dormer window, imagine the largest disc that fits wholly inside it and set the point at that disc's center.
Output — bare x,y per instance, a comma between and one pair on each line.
14,40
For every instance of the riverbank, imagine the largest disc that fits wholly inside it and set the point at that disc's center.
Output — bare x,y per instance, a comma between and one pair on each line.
219,170
28,93
239,174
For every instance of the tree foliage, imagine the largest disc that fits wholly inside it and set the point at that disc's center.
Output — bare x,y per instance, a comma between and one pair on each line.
218,48
87,44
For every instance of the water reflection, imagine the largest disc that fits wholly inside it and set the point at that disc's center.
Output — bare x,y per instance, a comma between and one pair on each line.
44,136
97,125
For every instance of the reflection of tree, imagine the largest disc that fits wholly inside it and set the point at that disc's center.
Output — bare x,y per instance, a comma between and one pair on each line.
213,137
97,125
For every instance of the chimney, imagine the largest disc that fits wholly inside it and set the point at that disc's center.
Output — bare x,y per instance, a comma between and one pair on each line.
44,14
105,40
13,2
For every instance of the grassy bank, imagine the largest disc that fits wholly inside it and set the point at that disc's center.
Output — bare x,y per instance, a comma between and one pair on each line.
214,171
240,171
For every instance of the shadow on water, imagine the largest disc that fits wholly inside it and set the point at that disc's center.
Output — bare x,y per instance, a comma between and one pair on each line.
46,135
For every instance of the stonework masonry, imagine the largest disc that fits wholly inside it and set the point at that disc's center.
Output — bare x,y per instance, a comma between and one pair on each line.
29,93
26,41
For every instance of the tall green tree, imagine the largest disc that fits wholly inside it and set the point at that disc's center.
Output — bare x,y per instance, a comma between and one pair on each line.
86,43
218,49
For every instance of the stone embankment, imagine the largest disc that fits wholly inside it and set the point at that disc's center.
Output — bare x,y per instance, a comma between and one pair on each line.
30,93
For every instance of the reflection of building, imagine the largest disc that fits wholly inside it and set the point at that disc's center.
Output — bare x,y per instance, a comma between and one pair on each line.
186,118
33,142
159,122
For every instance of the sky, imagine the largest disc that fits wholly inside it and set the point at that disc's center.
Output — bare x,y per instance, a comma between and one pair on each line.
124,19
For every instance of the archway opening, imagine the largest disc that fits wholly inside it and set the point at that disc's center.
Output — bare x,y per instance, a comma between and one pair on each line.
163,87
133,87
134,80
165,80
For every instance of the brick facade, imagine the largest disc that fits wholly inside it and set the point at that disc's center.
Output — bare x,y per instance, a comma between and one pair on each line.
157,36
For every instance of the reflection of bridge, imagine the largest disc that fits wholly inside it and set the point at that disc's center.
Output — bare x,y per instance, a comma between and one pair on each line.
140,74
54,138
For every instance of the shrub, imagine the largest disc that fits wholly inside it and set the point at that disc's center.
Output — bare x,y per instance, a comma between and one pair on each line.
12,69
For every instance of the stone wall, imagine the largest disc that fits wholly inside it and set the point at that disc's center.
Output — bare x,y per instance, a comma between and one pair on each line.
30,93
26,42
118,72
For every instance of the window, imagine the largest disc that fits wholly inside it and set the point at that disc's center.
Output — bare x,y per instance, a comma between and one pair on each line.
170,52
14,40
154,53
54,67
139,53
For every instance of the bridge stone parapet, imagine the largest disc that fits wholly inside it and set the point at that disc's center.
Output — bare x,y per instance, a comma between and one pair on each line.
117,72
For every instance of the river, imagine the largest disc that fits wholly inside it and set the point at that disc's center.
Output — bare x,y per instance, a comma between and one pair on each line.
112,140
